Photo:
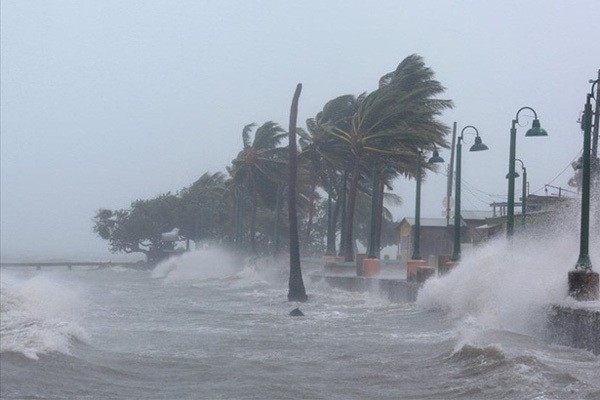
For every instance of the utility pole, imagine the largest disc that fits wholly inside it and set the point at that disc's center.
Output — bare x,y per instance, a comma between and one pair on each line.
450,175
595,166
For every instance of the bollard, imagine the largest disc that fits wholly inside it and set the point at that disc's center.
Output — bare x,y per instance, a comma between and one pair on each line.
583,285
411,269
371,266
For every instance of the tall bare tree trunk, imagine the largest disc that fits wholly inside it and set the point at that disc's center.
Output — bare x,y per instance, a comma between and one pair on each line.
349,239
378,222
296,292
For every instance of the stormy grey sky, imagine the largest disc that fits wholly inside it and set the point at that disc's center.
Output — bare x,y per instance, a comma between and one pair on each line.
104,102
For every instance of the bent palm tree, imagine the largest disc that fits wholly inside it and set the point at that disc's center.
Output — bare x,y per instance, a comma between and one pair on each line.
257,169
393,123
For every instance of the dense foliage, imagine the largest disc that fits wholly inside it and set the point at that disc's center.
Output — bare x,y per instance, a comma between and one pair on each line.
345,156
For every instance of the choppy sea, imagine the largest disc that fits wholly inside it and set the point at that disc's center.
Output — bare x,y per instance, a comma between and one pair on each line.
200,327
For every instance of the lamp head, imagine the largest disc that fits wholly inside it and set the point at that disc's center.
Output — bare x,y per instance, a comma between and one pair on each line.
435,158
478,146
516,175
536,129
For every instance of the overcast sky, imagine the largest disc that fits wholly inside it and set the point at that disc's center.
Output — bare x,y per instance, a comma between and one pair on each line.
104,102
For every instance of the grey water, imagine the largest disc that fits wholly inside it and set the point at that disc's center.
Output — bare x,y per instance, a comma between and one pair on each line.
201,328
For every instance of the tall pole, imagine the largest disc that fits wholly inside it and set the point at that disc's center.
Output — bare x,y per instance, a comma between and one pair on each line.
510,209
417,228
535,130
343,216
583,282
450,172
595,131
330,228
584,261
524,201
457,178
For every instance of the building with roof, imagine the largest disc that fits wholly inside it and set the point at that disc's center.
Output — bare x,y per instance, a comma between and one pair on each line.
436,237
437,234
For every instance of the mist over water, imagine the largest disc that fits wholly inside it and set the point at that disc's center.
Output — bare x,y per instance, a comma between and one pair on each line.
207,325
507,285
196,265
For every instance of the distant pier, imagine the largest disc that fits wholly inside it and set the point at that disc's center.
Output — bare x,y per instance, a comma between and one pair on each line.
70,264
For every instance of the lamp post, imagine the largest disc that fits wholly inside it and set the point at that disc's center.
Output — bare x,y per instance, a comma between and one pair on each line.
435,159
477,146
374,189
535,130
416,262
416,254
583,282
524,190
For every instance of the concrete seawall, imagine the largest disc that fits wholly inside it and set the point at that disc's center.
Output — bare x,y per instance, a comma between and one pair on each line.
393,290
575,324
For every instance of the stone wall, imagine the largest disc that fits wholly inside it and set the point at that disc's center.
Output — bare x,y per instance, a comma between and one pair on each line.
574,327
394,290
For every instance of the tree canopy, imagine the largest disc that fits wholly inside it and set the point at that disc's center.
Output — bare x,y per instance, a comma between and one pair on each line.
342,150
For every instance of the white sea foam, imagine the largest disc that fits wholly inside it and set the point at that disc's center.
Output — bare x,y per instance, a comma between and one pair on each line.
507,286
39,315
196,265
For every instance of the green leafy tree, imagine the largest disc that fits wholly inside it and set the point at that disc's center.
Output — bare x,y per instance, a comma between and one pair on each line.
257,170
203,208
139,229
392,124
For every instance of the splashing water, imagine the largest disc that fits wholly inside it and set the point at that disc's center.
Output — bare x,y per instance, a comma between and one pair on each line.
197,265
508,286
39,315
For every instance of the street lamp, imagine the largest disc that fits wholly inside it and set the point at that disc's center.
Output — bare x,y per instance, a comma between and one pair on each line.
477,146
435,159
524,189
535,130
583,283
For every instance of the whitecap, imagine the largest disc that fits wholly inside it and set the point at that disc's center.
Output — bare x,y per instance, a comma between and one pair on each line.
39,315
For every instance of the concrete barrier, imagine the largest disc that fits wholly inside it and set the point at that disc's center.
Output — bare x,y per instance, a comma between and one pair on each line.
574,327
371,266
411,269
393,290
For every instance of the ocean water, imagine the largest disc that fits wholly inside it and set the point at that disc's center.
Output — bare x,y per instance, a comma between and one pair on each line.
201,327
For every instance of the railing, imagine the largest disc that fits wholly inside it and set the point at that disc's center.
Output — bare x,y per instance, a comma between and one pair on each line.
71,264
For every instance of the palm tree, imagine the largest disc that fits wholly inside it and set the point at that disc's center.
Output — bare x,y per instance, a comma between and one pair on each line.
322,154
296,292
393,123
256,171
